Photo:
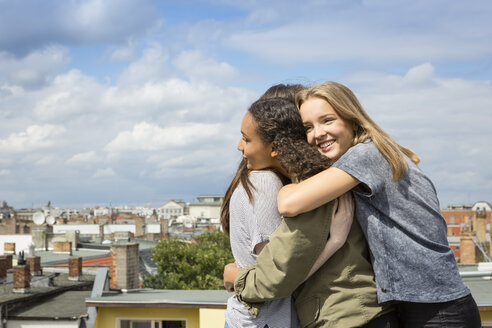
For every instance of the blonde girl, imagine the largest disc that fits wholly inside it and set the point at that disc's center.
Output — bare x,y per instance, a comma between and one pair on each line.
396,206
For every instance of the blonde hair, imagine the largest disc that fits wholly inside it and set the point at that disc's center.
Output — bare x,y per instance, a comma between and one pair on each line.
346,105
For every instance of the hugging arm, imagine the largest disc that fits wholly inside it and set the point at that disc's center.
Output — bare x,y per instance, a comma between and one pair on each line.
315,191
286,260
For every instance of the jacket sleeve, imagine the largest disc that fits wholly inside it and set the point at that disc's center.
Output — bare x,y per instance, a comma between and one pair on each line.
286,260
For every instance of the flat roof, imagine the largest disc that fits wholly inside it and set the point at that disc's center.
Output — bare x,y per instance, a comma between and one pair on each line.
69,305
168,298
41,286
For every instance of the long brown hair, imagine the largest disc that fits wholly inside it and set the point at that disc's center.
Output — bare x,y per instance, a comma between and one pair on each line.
347,106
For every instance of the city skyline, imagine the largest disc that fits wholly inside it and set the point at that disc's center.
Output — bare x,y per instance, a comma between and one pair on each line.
137,102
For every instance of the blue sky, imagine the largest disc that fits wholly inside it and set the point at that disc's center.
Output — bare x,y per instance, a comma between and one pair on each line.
135,102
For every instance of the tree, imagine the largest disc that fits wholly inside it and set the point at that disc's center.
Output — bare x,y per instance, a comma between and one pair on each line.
195,265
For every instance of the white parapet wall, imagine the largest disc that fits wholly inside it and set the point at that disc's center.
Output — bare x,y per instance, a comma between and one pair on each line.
22,242
84,229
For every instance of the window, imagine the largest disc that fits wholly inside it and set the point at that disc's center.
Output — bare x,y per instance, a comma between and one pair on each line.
154,323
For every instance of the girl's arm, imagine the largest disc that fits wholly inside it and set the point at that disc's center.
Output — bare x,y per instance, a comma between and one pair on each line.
341,222
315,191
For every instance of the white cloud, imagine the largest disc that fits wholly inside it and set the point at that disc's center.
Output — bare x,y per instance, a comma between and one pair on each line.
196,66
152,66
147,136
35,69
104,173
83,158
35,137
127,52
70,95
4,172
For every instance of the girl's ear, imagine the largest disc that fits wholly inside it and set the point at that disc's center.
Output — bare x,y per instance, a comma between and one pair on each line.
274,152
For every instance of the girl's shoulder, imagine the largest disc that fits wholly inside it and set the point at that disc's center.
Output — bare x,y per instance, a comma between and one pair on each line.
364,150
264,178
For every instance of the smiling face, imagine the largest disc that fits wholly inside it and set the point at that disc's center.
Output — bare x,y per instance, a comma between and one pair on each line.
260,155
331,134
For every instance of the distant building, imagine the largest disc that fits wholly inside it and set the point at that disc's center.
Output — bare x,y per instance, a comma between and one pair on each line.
469,231
206,206
171,210
6,211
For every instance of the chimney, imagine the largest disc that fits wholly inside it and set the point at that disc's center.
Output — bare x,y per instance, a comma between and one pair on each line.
62,247
74,268
22,279
481,221
9,248
39,238
101,231
34,263
3,269
8,261
467,249
139,226
73,237
164,228
125,267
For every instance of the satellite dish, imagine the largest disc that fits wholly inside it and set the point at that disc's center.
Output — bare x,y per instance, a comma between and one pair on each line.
38,218
50,220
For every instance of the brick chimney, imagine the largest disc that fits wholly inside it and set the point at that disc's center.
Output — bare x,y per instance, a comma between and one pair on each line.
34,263
9,248
74,268
125,267
481,221
3,269
62,247
8,261
467,249
22,279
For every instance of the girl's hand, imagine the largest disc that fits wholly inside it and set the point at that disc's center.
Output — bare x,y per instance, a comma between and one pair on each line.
230,273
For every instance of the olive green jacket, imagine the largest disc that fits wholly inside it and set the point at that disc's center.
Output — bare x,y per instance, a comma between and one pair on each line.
342,293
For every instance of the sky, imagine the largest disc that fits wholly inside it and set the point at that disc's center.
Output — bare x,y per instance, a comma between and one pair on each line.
139,101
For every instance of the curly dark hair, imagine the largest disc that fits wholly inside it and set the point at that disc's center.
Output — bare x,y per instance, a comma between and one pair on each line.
278,121
286,91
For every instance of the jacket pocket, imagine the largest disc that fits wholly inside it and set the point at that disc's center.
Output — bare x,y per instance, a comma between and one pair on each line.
308,311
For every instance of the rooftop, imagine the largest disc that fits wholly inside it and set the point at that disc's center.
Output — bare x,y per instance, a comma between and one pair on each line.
214,299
